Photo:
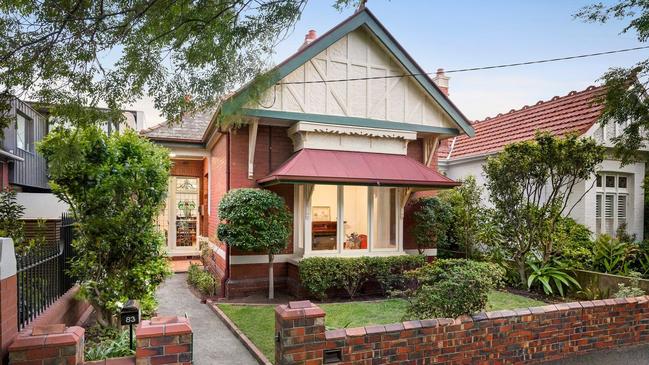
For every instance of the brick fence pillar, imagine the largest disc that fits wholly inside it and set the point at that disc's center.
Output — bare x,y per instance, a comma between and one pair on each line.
8,297
300,331
45,345
164,340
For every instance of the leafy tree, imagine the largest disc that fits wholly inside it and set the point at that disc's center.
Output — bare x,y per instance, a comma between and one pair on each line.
77,55
255,220
115,187
468,214
10,213
432,218
625,100
452,287
532,185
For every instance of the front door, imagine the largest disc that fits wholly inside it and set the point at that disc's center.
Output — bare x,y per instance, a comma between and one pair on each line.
180,219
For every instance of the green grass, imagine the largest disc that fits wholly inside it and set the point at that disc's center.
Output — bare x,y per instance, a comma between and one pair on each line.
258,322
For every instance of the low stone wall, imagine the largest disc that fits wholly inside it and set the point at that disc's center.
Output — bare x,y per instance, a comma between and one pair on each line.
606,284
523,336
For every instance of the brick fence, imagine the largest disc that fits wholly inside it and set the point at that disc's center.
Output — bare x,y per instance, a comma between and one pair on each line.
523,336
162,340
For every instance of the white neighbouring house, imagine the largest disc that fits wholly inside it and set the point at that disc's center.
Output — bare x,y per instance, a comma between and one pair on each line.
616,194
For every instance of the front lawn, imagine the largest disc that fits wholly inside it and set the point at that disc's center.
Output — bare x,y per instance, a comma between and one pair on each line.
258,322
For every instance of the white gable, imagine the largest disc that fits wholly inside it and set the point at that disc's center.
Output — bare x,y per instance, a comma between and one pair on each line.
356,55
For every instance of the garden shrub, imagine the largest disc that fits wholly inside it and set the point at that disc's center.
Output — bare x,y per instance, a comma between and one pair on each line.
612,256
633,290
432,217
452,287
573,244
106,342
320,274
202,280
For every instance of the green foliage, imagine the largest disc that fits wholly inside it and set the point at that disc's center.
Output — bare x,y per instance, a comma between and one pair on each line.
115,187
633,290
550,276
530,185
202,280
320,274
625,98
573,244
184,55
103,343
451,288
10,213
432,217
468,215
613,256
255,220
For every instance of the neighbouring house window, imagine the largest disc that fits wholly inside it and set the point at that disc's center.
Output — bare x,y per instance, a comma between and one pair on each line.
353,218
24,133
611,203
324,218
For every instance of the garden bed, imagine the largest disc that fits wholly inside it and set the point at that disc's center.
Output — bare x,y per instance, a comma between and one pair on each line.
257,322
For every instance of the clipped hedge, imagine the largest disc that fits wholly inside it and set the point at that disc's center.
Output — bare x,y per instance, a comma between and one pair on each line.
320,274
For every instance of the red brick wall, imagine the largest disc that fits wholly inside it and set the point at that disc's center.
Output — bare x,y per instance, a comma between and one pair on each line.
4,174
67,310
8,313
164,340
524,336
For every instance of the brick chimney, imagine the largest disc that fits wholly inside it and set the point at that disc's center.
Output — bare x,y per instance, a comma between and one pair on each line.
309,38
441,80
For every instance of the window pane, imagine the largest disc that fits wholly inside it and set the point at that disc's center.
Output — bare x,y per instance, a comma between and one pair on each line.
384,220
599,180
608,214
621,206
598,206
355,217
610,181
621,182
324,217
20,132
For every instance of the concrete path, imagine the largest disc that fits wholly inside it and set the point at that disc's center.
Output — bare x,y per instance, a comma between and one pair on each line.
624,356
213,341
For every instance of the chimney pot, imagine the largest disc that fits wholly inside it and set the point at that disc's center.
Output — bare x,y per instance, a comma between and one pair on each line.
310,36
441,80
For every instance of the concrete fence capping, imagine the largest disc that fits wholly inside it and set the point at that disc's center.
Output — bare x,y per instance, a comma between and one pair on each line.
521,336
7,258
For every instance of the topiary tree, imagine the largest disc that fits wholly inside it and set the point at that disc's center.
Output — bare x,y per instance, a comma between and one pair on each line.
452,287
255,220
432,218
115,187
11,213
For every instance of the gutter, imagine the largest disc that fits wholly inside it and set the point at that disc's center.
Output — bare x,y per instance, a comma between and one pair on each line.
11,156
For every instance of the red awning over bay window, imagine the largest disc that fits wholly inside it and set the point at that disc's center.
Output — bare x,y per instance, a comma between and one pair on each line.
359,168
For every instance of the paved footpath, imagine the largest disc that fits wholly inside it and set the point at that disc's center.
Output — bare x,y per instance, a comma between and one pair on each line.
213,341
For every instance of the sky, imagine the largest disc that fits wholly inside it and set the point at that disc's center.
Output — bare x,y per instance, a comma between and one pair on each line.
462,34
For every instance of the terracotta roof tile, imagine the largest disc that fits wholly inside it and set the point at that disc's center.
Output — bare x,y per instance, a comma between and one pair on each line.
575,112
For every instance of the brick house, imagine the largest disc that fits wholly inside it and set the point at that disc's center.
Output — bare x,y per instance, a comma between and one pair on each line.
346,156
614,197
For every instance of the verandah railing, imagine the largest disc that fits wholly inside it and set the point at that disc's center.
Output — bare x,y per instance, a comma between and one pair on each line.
43,274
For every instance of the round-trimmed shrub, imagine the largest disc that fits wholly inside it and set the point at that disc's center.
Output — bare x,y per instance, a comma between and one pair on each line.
451,288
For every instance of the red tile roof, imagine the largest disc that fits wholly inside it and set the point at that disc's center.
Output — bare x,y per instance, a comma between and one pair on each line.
575,112
364,168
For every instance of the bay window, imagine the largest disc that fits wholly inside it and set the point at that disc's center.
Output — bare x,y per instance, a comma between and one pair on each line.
348,219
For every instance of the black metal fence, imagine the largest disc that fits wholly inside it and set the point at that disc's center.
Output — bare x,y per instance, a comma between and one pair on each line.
43,274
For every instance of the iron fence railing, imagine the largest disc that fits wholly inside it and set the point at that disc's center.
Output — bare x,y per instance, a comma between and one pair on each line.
43,274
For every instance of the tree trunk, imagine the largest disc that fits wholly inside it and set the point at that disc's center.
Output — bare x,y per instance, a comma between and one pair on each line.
271,277
521,271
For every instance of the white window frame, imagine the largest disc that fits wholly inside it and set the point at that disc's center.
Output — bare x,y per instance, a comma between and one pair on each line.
28,123
303,232
602,191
